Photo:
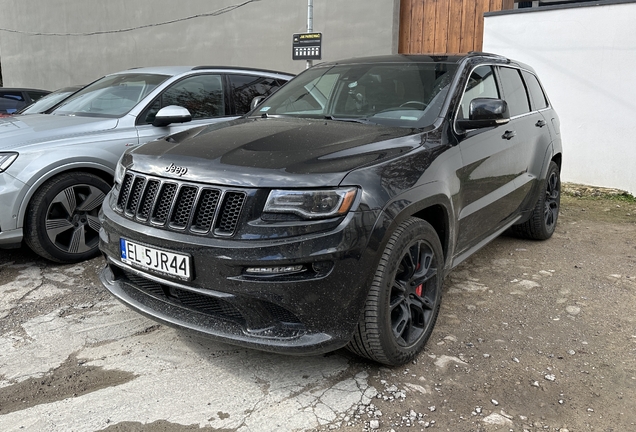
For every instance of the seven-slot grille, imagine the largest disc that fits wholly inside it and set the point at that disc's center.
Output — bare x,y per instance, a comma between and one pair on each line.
179,205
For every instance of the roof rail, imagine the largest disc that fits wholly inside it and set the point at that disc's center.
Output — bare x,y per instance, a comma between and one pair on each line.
487,54
242,68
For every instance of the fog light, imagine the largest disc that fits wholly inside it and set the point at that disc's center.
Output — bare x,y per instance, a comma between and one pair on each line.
322,267
275,270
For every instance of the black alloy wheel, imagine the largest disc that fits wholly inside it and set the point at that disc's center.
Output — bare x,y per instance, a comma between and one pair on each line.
413,294
544,216
552,200
405,296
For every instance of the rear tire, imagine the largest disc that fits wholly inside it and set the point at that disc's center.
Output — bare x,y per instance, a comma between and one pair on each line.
404,298
61,222
543,219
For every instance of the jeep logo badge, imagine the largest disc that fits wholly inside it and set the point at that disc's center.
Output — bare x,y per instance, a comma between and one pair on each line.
172,168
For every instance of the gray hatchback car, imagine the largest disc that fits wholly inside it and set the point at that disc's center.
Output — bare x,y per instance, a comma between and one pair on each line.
55,169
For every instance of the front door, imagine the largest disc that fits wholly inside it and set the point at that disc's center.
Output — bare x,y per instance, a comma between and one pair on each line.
493,160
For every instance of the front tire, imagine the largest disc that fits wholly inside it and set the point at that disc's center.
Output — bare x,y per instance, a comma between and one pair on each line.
404,298
61,223
543,219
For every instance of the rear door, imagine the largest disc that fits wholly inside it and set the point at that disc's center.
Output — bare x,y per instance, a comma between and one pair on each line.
543,123
494,177
532,134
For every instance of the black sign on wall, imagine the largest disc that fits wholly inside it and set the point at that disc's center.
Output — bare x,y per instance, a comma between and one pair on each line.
307,46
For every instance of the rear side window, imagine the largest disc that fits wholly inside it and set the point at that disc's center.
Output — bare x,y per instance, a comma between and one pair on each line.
247,87
11,95
537,97
514,91
11,102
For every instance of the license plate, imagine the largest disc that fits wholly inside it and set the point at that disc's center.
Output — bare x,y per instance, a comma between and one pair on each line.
150,258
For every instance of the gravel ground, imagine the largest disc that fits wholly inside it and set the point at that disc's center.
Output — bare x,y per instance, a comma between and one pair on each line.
536,336
532,336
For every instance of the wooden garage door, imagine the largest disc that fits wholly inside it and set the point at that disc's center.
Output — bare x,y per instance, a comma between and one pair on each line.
445,26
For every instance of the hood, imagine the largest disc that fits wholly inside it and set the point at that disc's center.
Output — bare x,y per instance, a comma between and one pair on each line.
273,151
19,131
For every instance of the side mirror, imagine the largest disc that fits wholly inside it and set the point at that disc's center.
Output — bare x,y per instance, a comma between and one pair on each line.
256,101
485,112
171,114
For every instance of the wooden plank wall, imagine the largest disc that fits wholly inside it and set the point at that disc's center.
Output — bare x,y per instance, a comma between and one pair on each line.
445,26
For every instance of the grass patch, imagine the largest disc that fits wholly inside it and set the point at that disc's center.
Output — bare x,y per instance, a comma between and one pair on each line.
624,198
597,193
604,208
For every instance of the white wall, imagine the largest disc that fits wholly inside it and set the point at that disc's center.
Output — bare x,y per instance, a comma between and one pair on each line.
586,58
258,34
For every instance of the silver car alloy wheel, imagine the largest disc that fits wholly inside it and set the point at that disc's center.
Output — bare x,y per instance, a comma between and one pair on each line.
72,224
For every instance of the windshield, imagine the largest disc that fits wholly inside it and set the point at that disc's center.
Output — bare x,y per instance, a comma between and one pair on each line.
396,94
111,96
48,101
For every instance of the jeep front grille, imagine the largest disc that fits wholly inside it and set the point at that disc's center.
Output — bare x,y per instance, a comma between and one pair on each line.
180,206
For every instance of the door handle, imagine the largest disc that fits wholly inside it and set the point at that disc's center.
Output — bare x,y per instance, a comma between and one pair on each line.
540,123
509,134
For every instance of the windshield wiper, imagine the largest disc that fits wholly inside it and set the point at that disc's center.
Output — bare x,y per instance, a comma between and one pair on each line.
267,116
348,119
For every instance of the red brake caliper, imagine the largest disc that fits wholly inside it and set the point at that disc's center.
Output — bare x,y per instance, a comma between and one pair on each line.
418,290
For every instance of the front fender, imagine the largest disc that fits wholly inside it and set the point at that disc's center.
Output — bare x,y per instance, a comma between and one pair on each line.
22,203
437,208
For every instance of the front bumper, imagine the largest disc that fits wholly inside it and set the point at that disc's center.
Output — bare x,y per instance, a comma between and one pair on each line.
306,313
11,194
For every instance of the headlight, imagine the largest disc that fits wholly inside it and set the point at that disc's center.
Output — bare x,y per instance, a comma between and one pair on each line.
6,159
311,204
120,170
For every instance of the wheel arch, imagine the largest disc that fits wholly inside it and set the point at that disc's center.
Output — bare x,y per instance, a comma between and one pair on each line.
102,171
558,159
436,209
438,217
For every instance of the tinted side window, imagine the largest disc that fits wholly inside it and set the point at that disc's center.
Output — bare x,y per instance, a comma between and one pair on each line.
537,96
202,95
481,84
247,87
35,95
12,95
514,91
11,101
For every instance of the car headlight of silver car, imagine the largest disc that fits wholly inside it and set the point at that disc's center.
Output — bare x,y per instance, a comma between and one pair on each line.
120,171
311,204
6,159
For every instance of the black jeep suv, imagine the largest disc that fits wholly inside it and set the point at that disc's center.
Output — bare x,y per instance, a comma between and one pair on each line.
330,214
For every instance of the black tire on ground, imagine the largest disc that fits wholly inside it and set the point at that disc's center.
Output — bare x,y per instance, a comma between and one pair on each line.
543,219
61,223
404,298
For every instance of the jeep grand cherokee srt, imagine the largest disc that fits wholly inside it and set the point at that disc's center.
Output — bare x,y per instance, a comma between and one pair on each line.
330,214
